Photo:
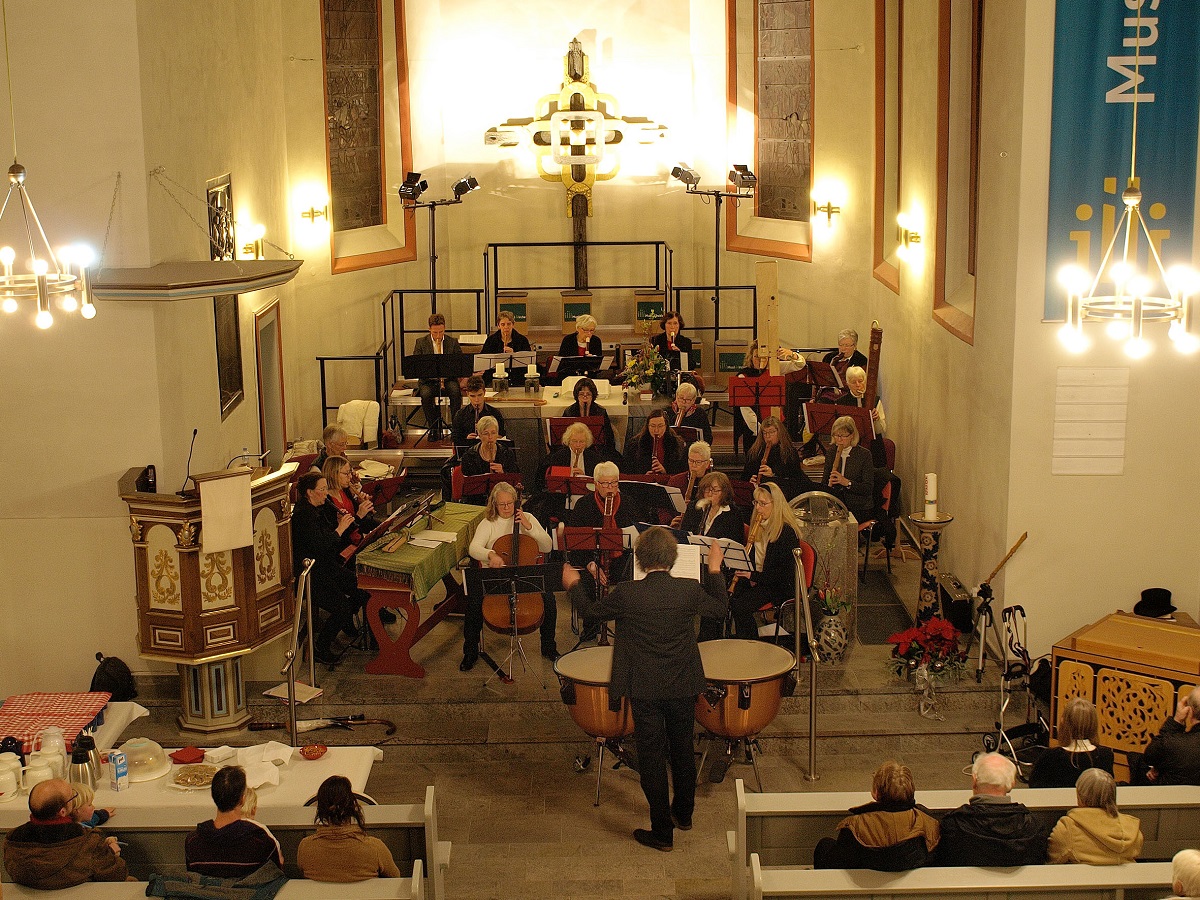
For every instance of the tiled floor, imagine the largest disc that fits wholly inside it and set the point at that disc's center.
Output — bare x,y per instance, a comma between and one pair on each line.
522,820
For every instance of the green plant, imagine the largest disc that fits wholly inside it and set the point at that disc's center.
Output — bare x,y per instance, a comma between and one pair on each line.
830,601
933,644
649,369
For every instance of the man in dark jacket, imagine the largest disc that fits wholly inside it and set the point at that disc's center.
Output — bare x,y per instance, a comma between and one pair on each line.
993,829
656,664
52,851
1173,755
230,845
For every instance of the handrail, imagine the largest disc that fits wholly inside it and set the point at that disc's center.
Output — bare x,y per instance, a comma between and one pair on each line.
813,658
303,603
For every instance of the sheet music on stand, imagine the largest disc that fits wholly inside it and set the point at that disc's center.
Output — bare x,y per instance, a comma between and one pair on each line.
735,553
687,564
579,365
520,360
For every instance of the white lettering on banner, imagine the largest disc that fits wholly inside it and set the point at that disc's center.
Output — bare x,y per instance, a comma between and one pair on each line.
1123,93
1138,40
1135,4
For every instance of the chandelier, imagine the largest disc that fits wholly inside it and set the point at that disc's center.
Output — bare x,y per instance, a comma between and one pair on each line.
1133,301
61,278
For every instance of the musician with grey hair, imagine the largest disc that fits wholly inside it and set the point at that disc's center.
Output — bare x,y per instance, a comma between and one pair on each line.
993,829
685,411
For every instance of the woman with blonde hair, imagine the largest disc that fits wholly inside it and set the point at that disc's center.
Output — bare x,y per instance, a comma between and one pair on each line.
774,534
339,476
889,834
849,471
1077,750
745,419
1095,832
584,341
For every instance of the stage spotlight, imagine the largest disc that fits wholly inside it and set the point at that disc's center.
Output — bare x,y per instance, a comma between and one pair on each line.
465,185
414,186
743,179
687,175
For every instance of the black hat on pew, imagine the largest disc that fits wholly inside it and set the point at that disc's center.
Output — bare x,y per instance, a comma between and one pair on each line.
1155,603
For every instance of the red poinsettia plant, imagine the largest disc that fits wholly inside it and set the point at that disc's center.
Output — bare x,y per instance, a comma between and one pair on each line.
933,643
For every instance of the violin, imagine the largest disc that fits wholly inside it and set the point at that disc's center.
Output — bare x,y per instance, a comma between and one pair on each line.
524,612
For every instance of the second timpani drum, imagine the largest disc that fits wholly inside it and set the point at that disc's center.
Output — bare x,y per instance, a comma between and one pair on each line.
745,686
584,676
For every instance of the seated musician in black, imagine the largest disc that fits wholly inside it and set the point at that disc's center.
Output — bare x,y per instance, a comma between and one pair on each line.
745,419
846,355
670,343
849,471
656,449
773,458
585,405
699,462
498,521
318,533
506,338
855,395
684,411
715,514
489,455
604,508
774,534
466,430
575,452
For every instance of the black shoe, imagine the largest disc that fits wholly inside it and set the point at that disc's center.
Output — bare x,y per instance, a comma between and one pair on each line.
326,656
681,824
551,653
468,662
591,633
387,617
648,838
720,765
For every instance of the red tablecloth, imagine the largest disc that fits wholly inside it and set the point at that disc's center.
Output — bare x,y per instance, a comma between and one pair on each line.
24,715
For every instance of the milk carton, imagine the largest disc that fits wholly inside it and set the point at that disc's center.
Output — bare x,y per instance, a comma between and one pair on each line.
120,770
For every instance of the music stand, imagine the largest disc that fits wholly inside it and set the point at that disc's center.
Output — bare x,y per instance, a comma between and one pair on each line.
566,366
521,360
510,582
652,496
824,375
594,541
761,393
481,485
819,419
735,553
435,367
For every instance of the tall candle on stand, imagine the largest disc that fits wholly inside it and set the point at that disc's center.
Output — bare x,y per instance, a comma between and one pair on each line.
931,512
500,373
531,372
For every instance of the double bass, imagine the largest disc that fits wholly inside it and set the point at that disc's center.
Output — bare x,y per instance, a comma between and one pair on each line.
515,613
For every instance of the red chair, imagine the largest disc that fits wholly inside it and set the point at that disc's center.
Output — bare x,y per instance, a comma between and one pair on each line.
808,562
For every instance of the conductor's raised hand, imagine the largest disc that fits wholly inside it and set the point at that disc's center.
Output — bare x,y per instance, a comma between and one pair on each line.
570,576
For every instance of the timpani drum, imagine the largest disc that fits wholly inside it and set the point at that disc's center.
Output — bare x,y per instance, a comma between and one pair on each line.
583,676
745,686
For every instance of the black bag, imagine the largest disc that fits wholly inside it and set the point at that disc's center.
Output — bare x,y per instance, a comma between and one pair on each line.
114,677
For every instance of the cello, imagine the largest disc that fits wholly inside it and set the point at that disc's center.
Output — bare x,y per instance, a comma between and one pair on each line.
515,613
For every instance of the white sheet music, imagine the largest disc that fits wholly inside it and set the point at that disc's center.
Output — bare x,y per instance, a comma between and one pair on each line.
687,564
735,553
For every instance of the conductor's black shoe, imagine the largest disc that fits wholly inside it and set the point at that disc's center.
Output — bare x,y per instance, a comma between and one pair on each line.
648,838
386,616
681,824
468,662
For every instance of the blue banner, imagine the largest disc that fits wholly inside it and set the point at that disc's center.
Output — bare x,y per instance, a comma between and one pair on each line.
1091,125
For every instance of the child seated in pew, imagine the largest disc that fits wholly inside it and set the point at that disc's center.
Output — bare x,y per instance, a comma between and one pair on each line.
1096,832
83,807
341,850
890,834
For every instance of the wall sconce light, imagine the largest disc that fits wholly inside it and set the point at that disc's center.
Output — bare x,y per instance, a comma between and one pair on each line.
414,186
256,247
828,209
312,214
743,179
464,186
908,237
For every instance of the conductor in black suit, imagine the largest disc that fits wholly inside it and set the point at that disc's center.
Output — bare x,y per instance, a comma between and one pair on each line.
657,665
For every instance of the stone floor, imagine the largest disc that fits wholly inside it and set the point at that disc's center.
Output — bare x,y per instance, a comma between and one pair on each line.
520,815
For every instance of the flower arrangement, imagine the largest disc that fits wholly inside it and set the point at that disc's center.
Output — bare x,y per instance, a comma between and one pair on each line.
933,644
649,370
830,601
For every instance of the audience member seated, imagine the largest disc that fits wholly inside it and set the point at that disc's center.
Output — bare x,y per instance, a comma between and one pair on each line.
497,523
333,443
585,405
889,834
849,470
1077,751
745,418
656,449
684,411
714,515
584,341
341,850
1095,832
439,343
51,851
466,423
773,458
1173,755
774,534
699,462
1185,875
506,338
993,829
230,845
489,455
318,533
83,807
670,343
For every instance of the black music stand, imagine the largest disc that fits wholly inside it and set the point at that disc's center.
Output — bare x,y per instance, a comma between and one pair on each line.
594,541
510,582
565,366
819,419
435,367
760,393
651,497
823,375
481,485
522,359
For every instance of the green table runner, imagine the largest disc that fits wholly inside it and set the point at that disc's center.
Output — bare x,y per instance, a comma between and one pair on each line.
424,566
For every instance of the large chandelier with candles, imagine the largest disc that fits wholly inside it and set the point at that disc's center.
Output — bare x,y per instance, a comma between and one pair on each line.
1134,301
50,280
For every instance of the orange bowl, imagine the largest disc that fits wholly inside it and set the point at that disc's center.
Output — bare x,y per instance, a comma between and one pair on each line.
313,751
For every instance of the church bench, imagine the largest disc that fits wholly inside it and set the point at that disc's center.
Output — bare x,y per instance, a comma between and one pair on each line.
1135,881
783,828
296,889
155,837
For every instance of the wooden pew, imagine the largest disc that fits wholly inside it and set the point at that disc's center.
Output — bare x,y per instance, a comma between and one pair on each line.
783,828
1135,881
155,837
297,889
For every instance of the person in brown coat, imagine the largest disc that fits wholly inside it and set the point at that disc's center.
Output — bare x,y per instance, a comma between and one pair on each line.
341,850
1095,832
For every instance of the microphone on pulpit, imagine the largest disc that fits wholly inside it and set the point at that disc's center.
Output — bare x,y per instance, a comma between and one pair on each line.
187,476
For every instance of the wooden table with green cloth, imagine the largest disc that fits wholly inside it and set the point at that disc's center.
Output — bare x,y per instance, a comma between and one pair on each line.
401,579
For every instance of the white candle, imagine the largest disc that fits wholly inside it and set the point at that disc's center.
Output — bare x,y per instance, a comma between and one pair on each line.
931,511
531,372
500,373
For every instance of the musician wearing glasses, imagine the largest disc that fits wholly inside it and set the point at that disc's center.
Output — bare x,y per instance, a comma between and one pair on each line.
503,513
856,389
656,450
489,455
685,411
715,515
849,471
584,341
773,458
774,534
670,343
